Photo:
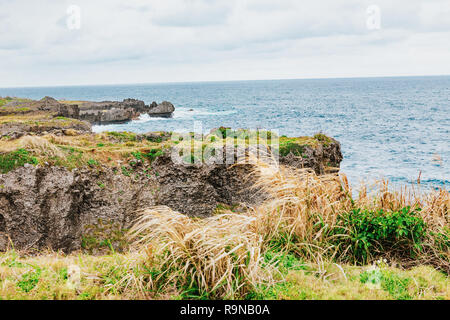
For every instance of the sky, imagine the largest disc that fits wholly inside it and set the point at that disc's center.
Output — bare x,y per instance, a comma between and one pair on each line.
81,42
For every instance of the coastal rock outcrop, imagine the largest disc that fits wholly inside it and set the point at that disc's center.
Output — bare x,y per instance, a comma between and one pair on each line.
51,207
68,111
113,111
164,109
54,207
93,112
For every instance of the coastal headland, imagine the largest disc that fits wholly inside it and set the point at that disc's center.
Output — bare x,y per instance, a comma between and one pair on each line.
59,182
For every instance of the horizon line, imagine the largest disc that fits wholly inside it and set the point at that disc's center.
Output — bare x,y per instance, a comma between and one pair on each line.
220,81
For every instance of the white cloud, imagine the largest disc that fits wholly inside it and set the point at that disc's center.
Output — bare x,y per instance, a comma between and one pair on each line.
189,40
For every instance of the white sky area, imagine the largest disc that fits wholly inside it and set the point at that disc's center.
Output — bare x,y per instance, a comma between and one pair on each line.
137,41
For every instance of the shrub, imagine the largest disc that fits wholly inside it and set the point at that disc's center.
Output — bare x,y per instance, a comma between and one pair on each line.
317,218
367,233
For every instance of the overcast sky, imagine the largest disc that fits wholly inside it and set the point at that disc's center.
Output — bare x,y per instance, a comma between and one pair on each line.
145,41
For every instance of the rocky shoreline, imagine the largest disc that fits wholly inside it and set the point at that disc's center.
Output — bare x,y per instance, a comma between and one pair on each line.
56,188
21,116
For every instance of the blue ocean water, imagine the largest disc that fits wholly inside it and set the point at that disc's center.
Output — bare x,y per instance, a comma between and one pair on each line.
388,127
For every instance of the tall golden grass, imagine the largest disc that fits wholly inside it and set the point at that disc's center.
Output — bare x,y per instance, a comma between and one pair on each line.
305,208
223,256
40,145
219,256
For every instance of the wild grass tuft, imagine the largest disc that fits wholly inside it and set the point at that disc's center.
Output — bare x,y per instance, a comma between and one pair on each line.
216,257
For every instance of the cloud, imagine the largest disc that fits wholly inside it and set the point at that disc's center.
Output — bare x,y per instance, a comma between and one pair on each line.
217,40
192,13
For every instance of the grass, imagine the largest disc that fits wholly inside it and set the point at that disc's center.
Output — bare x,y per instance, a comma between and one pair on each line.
6,100
15,159
77,150
43,120
208,258
308,218
311,239
129,276
74,151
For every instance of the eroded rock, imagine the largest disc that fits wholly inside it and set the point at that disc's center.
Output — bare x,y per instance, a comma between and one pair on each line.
53,207
164,109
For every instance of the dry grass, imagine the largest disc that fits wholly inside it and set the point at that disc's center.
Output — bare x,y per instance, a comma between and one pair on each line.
298,199
217,257
40,145
304,208
222,256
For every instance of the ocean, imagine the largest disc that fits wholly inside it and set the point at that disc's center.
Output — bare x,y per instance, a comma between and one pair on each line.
393,128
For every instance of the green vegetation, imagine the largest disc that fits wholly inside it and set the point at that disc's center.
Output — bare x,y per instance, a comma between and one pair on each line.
151,155
29,280
104,238
128,276
123,136
323,138
288,146
371,232
310,239
298,146
5,101
13,160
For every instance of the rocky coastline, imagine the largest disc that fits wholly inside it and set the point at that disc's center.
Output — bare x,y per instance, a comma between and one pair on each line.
48,115
59,183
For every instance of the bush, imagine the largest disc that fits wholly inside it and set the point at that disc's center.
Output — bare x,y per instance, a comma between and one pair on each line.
367,233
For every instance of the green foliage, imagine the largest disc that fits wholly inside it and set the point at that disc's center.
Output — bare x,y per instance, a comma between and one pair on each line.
29,280
372,277
4,101
291,146
152,155
322,138
13,160
22,109
396,285
245,134
123,136
92,162
126,172
284,261
370,232
264,292
63,274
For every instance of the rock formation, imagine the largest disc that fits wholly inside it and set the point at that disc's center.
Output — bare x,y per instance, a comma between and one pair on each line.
113,111
165,109
92,112
53,207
